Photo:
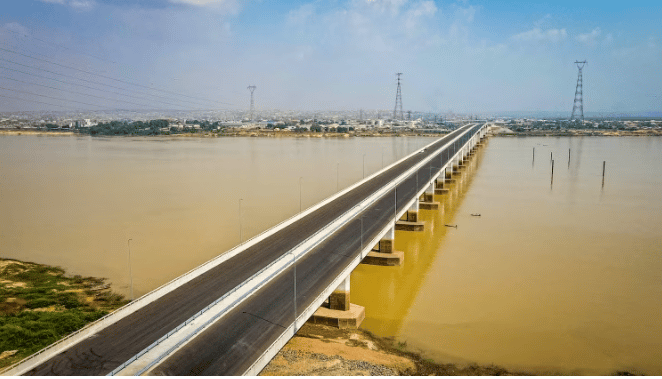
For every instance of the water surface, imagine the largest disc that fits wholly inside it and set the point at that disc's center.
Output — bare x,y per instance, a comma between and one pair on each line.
562,276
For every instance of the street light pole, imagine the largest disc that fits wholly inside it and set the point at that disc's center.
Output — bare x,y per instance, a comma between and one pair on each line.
300,178
337,177
294,266
240,220
363,166
130,273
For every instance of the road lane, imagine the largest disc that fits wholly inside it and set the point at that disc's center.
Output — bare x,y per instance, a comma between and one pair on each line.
115,344
220,350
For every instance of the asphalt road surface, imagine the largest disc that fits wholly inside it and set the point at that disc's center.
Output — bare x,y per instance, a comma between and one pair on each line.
236,340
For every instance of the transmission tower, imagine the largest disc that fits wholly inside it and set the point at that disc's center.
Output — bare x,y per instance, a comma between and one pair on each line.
578,106
252,89
398,101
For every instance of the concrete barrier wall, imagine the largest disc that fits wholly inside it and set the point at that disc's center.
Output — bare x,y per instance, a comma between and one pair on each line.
285,261
291,330
234,296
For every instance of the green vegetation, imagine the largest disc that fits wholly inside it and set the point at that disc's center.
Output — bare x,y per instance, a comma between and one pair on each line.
40,305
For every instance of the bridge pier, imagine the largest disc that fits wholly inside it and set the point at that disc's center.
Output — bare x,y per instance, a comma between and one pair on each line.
411,222
428,202
337,311
440,184
386,255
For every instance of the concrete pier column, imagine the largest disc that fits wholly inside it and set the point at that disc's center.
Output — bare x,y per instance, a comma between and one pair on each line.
428,195
428,202
386,255
339,313
386,243
412,212
411,223
339,299
440,187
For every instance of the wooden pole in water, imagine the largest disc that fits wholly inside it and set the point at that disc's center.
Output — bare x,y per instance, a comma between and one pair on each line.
603,173
534,154
552,179
551,156
568,158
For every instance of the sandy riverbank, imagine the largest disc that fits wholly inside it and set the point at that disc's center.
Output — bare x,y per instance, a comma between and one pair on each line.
326,351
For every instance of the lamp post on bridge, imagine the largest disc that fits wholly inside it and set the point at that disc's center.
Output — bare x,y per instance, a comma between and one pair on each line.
300,178
337,177
294,268
240,220
363,166
128,242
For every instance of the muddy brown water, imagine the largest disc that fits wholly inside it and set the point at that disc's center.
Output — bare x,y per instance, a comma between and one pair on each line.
562,276
75,202
553,277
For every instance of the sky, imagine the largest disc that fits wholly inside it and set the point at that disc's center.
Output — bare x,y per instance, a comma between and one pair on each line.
456,56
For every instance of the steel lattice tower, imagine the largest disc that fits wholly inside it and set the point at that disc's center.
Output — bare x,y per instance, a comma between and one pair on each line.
579,94
252,89
398,101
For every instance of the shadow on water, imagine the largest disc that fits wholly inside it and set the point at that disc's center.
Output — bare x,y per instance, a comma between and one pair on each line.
387,293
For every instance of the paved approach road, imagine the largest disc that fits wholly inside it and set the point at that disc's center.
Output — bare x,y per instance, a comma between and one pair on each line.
232,343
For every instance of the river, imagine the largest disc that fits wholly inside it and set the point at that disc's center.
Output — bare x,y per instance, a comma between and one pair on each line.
561,276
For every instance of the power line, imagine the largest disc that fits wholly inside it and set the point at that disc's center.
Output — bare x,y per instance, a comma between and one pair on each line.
82,85
50,97
108,77
34,101
50,44
76,92
103,84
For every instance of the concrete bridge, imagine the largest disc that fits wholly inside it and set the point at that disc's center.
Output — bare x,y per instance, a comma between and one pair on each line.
231,315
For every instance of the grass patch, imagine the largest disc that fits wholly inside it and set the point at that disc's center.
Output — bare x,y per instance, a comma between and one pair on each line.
39,305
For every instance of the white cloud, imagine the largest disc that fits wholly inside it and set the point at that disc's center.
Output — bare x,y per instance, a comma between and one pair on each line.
76,4
589,39
539,35
413,16
16,27
608,39
301,15
224,6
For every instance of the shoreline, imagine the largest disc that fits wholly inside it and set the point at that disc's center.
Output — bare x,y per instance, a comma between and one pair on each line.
41,304
323,350
500,131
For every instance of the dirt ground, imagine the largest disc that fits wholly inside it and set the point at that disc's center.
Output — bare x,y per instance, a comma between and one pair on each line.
325,351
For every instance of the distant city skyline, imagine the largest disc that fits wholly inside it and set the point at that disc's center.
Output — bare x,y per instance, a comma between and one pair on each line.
465,56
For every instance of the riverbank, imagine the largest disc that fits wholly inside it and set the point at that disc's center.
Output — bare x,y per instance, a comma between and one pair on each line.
505,132
237,132
40,304
326,351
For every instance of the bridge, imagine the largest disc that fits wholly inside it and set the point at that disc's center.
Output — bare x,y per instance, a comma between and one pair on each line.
231,315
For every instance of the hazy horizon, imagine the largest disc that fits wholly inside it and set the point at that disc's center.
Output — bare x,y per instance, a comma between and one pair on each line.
464,57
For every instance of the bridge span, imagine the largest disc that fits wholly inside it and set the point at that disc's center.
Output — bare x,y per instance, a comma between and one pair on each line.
231,315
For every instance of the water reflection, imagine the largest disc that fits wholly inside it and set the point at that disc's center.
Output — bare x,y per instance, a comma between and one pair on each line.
564,279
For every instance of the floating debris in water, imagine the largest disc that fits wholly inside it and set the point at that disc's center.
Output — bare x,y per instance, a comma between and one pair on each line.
451,226
476,214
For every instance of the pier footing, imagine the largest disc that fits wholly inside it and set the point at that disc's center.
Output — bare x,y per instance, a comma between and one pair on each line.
350,319
376,258
410,226
429,205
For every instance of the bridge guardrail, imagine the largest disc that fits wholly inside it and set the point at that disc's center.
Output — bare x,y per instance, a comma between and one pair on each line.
326,231
257,366
284,257
101,323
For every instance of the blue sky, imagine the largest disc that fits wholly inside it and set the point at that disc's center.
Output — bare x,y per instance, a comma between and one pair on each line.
461,56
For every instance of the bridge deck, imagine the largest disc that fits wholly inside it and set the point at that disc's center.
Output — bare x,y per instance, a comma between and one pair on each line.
232,343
